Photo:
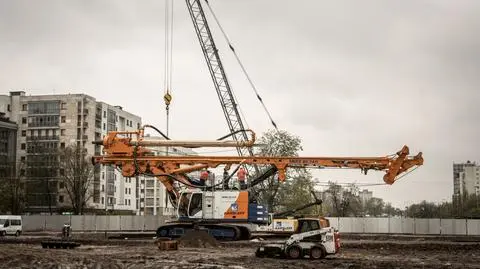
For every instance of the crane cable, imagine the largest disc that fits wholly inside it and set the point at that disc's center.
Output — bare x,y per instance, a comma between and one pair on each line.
168,59
241,65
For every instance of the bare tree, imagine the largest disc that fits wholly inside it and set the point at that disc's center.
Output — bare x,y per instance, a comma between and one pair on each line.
76,172
344,201
13,189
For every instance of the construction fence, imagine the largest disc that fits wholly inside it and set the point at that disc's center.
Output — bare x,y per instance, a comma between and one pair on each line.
393,225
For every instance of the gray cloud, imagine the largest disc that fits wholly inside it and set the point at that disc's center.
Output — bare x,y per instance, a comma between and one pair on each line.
350,78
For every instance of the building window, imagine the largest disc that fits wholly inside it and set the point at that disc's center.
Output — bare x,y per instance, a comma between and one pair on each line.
126,191
63,106
63,119
103,187
104,114
103,200
62,145
24,120
22,158
60,198
61,185
62,132
24,133
24,107
104,126
22,146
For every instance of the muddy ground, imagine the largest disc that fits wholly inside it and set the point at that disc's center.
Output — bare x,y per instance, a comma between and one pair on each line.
386,253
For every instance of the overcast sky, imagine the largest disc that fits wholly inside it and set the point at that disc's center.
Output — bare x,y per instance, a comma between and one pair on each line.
350,78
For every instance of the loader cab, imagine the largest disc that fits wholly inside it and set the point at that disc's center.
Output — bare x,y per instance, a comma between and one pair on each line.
307,225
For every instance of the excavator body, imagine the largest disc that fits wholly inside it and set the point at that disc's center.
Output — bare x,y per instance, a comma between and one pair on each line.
220,212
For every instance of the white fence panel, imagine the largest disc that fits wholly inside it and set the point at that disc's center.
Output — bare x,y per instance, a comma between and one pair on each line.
114,223
131,223
77,223
421,226
473,227
395,225
151,223
89,223
33,223
392,225
408,226
460,227
351,225
56,222
446,226
434,226
102,223
376,225
333,222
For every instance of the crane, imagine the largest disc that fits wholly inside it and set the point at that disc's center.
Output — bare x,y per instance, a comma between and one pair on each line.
221,211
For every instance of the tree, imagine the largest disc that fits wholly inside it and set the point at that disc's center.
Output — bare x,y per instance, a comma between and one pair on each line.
12,189
76,172
375,207
344,201
279,144
296,192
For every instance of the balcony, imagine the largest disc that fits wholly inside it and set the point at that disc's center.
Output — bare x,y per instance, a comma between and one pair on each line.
47,137
43,124
85,111
85,124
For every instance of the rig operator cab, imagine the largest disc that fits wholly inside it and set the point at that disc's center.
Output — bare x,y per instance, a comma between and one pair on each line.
220,205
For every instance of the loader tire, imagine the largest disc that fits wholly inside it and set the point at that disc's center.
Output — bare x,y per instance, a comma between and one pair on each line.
317,253
294,252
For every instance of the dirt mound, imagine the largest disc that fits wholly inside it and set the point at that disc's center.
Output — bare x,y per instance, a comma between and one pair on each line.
197,239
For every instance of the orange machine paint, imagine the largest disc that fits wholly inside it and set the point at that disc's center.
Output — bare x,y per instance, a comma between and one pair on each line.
242,207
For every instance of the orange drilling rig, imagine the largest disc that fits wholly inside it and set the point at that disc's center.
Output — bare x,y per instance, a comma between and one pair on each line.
223,213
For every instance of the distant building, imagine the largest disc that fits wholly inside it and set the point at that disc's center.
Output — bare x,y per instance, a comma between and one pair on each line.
8,150
47,123
466,179
365,195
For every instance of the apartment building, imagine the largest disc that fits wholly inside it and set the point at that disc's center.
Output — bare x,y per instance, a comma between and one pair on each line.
466,179
47,123
365,195
8,139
